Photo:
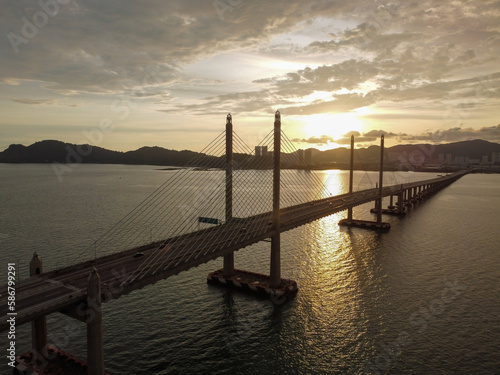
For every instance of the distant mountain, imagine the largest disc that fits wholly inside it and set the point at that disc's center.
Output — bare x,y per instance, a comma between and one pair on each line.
55,151
473,149
412,154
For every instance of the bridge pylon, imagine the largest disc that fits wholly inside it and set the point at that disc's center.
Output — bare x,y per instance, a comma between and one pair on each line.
228,267
275,271
272,285
378,224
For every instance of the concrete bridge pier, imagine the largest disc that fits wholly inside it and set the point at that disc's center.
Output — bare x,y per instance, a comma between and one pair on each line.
378,224
408,199
275,272
380,181
391,203
415,195
376,203
38,325
425,192
95,347
394,208
43,355
401,207
351,177
228,267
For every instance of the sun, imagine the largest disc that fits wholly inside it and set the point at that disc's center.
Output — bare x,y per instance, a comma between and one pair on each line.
333,126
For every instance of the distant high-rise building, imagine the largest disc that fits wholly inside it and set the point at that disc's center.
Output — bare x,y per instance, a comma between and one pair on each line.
495,157
484,160
263,151
441,158
448,158
258,151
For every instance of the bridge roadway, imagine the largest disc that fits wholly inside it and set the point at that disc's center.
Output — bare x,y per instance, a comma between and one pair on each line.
66,288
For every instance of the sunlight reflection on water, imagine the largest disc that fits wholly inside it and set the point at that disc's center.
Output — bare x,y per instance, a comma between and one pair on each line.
358,290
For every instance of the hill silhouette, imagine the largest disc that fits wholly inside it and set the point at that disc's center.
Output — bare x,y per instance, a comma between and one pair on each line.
50,151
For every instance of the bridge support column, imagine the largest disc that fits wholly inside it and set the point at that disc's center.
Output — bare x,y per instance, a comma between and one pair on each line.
375,202
95,348
38,325
275,272
408,197
401,207
351,177
380,181
378,224
228,268
391,202
272,285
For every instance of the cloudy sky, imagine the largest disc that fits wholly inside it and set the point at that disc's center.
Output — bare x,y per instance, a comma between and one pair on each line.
124,74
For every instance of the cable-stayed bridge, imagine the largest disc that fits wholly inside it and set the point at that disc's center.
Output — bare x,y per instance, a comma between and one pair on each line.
226,199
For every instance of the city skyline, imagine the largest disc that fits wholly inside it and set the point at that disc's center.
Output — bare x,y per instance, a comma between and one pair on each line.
125,75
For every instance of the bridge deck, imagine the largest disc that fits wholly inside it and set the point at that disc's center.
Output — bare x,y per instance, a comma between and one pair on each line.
55,290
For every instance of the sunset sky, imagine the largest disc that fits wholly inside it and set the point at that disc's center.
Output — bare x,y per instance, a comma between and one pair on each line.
166,73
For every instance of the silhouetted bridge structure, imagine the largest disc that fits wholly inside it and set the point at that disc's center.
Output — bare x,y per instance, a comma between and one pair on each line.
78,290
